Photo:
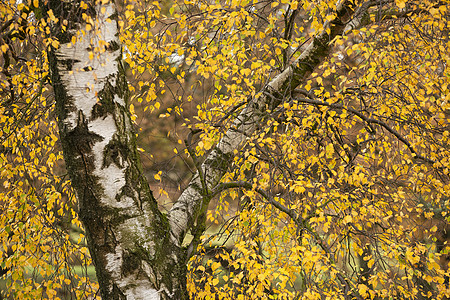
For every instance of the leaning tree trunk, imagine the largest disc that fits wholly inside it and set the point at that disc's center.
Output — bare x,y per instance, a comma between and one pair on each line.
187,208
128,237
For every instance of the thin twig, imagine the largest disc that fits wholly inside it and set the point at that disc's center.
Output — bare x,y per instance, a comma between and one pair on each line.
369,121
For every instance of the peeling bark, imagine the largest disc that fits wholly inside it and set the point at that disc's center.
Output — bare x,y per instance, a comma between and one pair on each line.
128,237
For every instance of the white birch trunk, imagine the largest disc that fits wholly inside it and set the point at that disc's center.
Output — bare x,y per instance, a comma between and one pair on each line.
128,237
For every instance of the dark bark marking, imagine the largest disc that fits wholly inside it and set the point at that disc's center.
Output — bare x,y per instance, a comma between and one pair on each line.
106,104
68,63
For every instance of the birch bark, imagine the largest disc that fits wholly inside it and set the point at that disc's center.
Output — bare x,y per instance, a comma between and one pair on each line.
127,235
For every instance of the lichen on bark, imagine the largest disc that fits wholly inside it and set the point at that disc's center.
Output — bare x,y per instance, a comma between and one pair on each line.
128,237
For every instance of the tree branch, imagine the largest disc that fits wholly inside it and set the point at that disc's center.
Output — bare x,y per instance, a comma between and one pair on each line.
185,209
369,121
247,185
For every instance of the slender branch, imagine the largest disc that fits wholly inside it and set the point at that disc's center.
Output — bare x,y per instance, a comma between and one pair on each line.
188,144
292,214
327,249
247,185
369,121
230,112
289,24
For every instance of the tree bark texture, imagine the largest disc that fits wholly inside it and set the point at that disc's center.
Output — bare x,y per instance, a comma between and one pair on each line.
128,237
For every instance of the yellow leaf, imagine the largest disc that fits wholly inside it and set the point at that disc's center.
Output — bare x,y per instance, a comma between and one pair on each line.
215,266
329,150
4,48
347,219
370,262
400,3
55,44
362,288
294,5
299,189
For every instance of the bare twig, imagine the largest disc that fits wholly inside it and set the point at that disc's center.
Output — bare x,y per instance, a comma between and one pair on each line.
369,121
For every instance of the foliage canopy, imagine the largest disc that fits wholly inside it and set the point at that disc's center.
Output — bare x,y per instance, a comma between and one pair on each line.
339,190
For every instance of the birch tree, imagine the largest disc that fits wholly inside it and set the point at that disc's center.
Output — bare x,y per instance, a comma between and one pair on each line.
329,143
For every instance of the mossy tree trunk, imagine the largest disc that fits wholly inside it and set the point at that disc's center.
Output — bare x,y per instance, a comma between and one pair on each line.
128,237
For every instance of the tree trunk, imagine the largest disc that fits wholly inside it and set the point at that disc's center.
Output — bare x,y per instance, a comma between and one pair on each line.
128,237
